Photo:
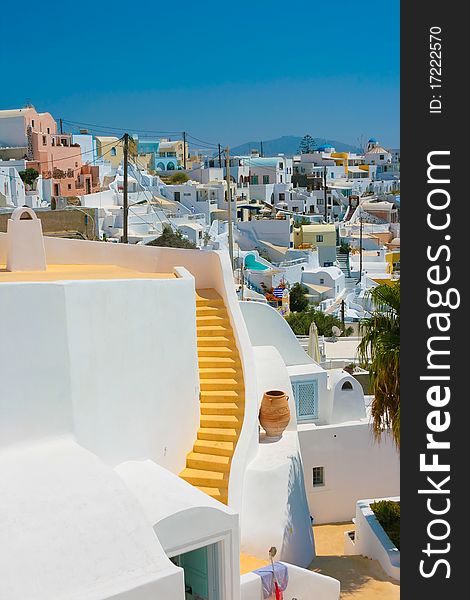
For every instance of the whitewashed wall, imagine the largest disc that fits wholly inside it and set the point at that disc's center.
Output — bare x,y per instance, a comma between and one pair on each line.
356,466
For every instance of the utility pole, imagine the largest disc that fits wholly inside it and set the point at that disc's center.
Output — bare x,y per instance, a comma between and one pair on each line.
360,249
184,150
220,158
125,199
325,194
229,201
60,123
342,313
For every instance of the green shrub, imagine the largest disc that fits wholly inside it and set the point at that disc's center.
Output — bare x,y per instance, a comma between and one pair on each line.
300,322
172,239
387,513
178,178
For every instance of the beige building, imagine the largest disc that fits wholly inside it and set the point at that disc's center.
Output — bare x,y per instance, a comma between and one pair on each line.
109,148
318,236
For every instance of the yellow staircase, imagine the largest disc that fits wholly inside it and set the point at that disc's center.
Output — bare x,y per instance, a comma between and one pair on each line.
222,398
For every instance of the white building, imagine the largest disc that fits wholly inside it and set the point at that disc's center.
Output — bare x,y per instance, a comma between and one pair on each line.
12,190
129,410
340,459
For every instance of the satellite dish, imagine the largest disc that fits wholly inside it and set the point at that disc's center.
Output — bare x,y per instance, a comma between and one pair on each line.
336,331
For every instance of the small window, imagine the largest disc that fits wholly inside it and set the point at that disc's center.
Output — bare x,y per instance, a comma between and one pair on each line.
281,165
69,186
32,122
347,385
265,179
318,476
254,180
113,151
322,281
282,197
48,130
382,157
44,140
319,238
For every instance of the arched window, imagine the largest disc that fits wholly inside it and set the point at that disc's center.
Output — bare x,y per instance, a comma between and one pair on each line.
347,385
160,166
113,151
170,166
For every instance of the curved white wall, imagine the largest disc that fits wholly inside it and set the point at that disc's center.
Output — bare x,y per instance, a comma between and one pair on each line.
268,328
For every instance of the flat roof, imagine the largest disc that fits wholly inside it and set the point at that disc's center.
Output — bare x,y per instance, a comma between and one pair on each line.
78,272
317,288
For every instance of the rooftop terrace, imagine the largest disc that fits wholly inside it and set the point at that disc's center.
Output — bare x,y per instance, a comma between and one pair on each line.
77,273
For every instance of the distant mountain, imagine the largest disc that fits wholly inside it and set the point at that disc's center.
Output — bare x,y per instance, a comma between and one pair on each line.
288,145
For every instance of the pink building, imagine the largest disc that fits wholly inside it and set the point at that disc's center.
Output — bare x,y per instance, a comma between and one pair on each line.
49,152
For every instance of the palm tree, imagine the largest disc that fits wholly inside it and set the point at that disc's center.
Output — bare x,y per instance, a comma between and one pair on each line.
380,348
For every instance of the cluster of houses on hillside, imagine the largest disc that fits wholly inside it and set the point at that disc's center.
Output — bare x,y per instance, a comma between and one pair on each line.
295,211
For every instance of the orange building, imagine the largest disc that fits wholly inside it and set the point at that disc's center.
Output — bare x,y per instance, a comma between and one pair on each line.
51,153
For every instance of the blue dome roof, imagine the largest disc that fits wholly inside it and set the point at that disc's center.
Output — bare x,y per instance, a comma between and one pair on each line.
324,147
373,141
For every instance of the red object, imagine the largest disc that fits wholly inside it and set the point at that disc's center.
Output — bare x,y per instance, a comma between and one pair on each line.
279,595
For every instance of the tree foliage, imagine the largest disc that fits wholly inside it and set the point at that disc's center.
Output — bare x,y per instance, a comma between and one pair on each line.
178,178
29,176
172,239
380,348
297,297
307,145
300,322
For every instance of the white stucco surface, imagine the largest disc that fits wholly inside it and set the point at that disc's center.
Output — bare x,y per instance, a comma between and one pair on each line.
71,529
276,510
267,327
302,584
355,466
184,518
371,540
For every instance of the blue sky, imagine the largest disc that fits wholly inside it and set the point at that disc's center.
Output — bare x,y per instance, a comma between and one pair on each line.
226,72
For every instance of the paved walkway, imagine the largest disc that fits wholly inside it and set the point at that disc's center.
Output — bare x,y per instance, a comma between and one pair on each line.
361,578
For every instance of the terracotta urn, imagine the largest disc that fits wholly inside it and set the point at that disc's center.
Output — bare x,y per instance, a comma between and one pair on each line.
274,414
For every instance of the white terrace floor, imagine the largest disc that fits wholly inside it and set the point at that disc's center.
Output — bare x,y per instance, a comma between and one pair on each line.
360,577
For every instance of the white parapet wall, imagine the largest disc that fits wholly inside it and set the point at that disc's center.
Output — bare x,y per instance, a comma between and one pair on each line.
302,585
276,512
370,539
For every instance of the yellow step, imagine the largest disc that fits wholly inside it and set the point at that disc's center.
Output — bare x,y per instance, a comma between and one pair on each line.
214,447
218,494
217,434
208,462
218,340
204,321
221,421
218,362
214,302
220,384
207,309
219,372
217,351
221,408
213,330
222,396
207,294
201,477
